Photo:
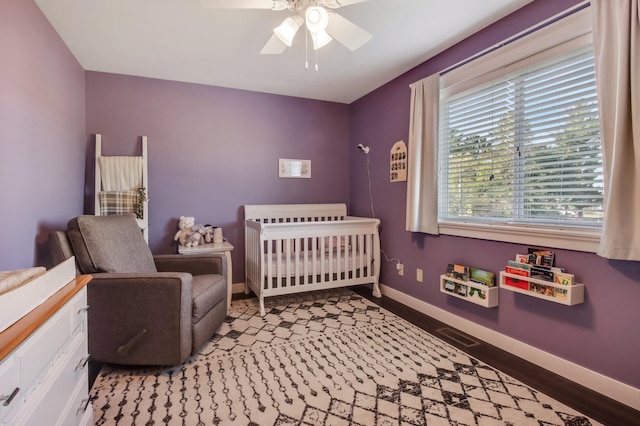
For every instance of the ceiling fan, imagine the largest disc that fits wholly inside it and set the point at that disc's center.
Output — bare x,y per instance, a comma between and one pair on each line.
323,25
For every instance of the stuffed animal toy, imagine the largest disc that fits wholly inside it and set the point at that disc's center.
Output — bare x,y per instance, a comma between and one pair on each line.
208,233
194,239
185,235
199,234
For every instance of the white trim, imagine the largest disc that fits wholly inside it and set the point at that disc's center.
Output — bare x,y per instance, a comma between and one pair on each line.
579,239
600,383
237,288
571,27
515,37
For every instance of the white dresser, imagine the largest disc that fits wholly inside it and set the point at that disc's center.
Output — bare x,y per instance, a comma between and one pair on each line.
44,362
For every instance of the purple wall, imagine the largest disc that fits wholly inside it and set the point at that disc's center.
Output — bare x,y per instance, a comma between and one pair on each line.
213,150
42,133
601,334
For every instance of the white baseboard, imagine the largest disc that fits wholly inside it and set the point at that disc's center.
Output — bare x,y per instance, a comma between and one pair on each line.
237,288
600,383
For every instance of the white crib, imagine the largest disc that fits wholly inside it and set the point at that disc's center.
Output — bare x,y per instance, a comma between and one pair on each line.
292,248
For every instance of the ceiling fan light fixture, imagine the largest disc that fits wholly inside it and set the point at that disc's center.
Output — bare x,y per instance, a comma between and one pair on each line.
320,39
288,29
316,18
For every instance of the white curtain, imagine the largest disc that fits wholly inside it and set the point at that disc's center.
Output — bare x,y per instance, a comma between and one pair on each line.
422,179
616,32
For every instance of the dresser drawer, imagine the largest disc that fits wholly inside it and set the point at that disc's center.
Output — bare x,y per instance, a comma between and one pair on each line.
79,308
32,361
47,372
10,391
78,410
46,345
47,400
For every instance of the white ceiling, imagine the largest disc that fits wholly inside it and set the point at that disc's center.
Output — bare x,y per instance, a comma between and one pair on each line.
181,40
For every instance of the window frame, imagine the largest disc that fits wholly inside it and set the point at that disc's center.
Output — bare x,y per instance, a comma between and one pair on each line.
565,35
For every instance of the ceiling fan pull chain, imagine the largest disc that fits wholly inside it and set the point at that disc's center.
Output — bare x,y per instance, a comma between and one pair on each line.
306,50
316,61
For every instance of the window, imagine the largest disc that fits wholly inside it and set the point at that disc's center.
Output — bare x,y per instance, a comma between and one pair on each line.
519,143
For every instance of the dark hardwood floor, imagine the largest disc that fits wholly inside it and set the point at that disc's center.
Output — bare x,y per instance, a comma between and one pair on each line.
595,405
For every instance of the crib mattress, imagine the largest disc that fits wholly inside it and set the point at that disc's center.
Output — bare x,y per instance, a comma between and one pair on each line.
339,261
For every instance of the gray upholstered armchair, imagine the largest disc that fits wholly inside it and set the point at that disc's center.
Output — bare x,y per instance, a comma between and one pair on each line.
143,309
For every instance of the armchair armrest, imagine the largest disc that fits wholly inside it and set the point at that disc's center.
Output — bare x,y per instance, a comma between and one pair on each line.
146,314
195,264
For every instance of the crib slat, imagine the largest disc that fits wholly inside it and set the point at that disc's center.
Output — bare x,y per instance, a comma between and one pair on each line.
297,249
349,264
323,252
287,261
314,265
361,250
368,255
267,283
330,256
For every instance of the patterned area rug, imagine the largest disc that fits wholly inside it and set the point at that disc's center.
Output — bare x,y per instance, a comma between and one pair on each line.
322,358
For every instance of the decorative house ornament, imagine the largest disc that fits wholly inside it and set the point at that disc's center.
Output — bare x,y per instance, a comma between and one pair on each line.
398,162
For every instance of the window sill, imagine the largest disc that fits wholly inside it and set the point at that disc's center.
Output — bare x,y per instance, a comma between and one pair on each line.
580,239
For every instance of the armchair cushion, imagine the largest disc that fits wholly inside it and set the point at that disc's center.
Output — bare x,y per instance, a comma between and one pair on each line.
208,291
110,244
197,264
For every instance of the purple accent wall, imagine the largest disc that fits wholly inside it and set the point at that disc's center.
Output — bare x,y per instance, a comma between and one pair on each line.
213,150
601,334
42,133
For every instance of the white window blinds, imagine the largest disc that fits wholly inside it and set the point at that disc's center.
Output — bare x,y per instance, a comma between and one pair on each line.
524,148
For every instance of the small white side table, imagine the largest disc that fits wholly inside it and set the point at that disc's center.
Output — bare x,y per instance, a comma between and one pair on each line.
223,247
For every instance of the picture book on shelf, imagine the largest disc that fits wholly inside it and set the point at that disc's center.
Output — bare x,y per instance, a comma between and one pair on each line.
514,282
540,256
522,266
542,289
480,293
560,293
542,274
459,272
450,286
564,278
482,277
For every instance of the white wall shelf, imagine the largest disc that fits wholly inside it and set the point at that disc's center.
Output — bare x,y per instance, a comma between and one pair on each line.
491,294
564,294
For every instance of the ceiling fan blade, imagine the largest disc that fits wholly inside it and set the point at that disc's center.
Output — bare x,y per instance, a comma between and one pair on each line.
334,4
245,4
346,32
274,46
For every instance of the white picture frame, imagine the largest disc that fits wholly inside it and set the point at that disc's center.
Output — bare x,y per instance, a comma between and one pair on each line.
292,168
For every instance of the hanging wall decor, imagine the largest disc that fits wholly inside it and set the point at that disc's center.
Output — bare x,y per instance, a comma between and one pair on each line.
398,162
289,168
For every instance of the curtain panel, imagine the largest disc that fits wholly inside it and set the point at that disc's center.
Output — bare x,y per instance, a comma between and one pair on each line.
422,178
616,33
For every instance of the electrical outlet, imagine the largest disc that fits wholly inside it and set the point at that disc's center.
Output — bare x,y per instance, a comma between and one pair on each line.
400,268
419,275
